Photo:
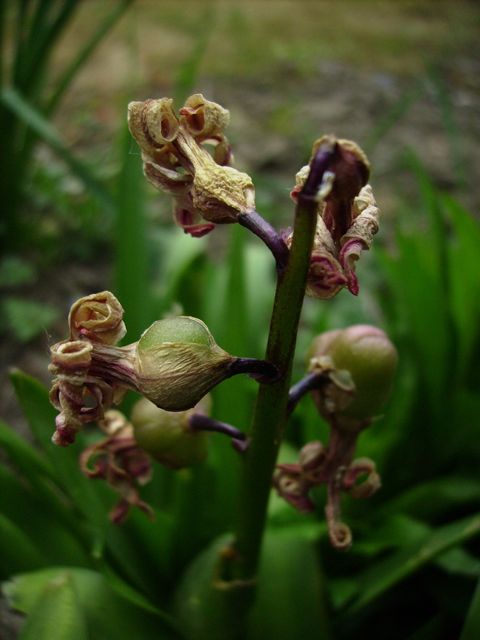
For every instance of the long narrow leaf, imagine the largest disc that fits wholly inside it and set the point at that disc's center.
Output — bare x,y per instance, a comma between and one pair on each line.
108,614
472,623
391,571
34,119
18,552
132,281
84,54
23,455
33,399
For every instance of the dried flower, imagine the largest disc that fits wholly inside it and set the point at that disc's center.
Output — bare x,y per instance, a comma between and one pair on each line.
119,461
205,191
347,220
174,364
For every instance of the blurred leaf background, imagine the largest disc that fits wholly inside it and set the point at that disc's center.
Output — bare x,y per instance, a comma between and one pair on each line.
402,79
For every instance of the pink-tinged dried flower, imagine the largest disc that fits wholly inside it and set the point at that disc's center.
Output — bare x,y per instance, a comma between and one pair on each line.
119,461
291,485
205,191
332,466
347,220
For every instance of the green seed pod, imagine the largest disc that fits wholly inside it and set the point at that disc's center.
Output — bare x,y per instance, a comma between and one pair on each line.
167,435
177,362
370,358
321,344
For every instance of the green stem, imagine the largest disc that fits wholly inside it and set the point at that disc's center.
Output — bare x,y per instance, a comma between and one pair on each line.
271,406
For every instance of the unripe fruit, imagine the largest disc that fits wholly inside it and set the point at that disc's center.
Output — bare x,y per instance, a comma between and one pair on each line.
177,362
167,435
370,358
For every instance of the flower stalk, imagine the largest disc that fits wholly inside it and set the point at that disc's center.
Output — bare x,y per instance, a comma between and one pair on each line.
271,405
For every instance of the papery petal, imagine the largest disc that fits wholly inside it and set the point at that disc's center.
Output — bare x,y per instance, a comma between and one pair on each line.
152,123
98,317
203,118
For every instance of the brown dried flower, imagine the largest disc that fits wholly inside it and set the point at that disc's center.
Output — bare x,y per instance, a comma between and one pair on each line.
205,192
347,220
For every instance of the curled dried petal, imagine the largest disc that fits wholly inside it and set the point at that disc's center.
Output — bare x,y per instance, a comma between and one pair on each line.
190,219
165,179
98,317
340,535
71,355
152,123
203,118
370,485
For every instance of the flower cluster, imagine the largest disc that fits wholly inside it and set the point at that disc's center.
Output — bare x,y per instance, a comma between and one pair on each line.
176,160
118,460
80,392
174,364
346,223
351,374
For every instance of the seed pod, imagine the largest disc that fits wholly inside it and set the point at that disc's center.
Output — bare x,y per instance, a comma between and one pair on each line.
177,362
367,354
167,435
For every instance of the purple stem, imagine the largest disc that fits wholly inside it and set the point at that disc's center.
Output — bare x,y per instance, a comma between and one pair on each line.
296,393
199,422
318,166
260,370
254,222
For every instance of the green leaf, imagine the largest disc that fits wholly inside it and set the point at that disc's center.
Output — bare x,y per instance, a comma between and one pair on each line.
132,278
286,607
472,622
18,552
13,100
188,69
61,540
203,610
15,271
290,599
464,279
33,399
387,573
457,561
27,319
23,455
82,56
56,614
433,499
108,614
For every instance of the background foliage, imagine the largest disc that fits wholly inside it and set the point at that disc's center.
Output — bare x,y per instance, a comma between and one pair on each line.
80,218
